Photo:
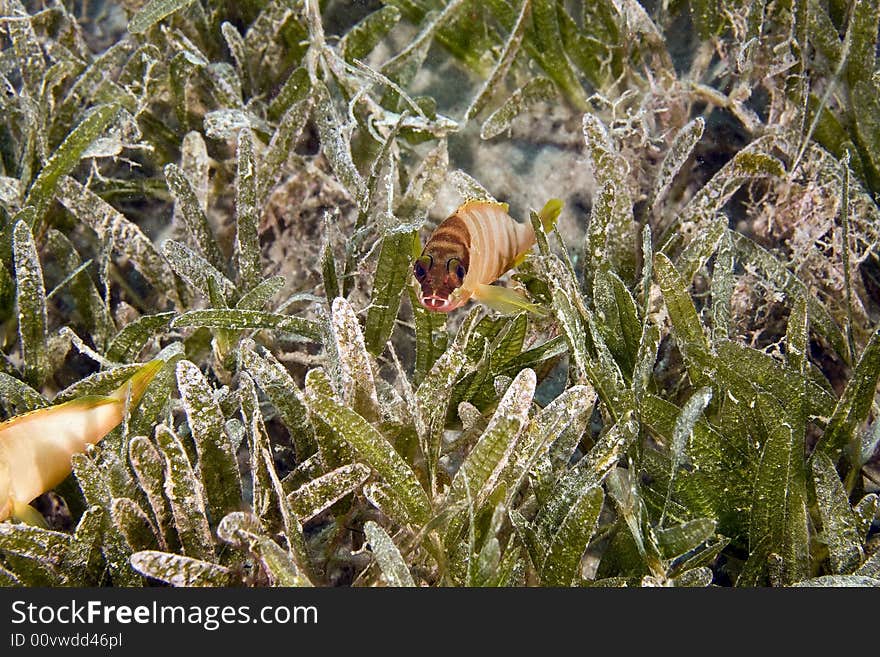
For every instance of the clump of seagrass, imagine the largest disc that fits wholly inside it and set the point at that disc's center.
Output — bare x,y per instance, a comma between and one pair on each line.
241,196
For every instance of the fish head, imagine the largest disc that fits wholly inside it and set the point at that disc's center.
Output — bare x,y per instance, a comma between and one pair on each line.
440,277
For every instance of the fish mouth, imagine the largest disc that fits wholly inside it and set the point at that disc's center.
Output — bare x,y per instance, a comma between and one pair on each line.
438,304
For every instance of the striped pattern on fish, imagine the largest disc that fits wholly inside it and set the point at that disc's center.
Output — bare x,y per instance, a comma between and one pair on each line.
470,250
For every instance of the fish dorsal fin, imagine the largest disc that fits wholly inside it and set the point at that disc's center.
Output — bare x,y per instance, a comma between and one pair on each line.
473,203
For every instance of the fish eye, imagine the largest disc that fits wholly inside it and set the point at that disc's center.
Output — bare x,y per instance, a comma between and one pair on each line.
420,269
454,266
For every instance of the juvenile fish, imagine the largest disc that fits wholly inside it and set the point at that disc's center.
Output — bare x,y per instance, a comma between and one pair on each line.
36,447
470,250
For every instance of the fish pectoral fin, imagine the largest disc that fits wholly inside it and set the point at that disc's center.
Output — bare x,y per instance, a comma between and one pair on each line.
505,301
521,258
28,515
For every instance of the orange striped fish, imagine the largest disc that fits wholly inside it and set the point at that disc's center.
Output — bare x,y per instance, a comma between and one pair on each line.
470,250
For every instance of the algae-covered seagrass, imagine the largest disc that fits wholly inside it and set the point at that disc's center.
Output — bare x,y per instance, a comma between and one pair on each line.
241,191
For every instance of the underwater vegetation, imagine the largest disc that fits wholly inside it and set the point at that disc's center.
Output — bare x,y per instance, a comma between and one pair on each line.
239,192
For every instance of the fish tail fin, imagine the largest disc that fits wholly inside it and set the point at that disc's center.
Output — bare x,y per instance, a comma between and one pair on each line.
138,382
505,301
550,213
